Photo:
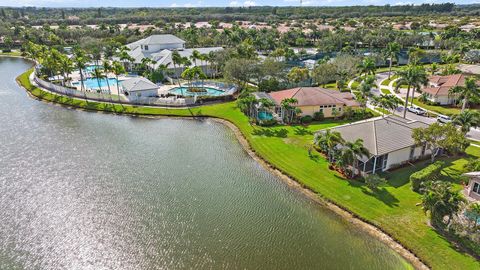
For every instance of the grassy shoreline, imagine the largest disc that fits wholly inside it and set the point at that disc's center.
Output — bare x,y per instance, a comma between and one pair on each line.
284,148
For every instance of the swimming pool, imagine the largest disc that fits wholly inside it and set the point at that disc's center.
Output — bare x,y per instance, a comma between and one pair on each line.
184,92
265,116
92,83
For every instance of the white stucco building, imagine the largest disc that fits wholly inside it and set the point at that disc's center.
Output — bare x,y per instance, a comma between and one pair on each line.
388,139
160,48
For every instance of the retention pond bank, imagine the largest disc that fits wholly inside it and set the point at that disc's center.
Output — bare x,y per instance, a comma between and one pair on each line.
86,190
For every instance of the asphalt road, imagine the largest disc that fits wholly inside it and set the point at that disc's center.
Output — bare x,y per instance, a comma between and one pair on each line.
473,134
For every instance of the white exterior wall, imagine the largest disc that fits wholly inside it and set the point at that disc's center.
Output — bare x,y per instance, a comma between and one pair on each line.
135,95
158,47
403,155
443,100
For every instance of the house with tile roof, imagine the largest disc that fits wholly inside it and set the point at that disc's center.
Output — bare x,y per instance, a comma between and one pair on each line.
438,89
315,99
388,139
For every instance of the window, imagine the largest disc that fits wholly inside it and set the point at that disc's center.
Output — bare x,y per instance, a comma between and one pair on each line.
146,47
340,109
476,188
412,152
321,110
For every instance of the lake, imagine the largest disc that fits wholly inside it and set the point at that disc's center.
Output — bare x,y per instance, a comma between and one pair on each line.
83,190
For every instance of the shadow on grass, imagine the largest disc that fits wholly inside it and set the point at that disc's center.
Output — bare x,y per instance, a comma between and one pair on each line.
381,194
269,132
302,131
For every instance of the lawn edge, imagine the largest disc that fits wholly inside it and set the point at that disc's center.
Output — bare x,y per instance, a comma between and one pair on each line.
343,212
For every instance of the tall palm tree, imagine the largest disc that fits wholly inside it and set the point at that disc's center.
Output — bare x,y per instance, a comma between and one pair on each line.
107,68
176,60
392,50
80,62
287,105
413,76
118,69
367,66
99,75
330,139
357,150
195,56
466,120
467,92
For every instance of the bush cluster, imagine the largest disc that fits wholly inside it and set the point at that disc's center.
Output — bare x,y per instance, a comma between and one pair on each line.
429,173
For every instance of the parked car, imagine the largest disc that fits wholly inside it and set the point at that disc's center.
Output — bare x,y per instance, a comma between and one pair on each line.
444,119
417,110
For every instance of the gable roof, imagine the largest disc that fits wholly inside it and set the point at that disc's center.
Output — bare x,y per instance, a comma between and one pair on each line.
314,96
443,84
162,39
382,135
138,84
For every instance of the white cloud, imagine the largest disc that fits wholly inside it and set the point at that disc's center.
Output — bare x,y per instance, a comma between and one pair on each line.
234,4
249,3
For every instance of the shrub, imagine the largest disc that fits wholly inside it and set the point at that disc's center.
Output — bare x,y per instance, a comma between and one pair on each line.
373,181
267,123
306,119
318,116
6,50
429,173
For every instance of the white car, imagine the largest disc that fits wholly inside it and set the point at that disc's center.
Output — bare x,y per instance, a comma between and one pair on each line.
417,110
444,119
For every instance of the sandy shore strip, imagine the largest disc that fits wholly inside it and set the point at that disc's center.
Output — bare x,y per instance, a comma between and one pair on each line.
371,229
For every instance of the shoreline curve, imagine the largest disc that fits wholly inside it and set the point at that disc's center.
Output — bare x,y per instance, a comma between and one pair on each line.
349,216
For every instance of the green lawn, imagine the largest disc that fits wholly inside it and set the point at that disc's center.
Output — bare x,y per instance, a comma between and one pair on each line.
393,207
438,109
13,53
385,91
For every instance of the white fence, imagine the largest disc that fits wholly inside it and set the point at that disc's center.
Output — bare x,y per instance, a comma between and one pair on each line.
150,101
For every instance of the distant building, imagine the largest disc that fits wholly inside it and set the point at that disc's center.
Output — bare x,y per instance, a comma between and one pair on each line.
472,191
160,48
315,99
438,90
388,139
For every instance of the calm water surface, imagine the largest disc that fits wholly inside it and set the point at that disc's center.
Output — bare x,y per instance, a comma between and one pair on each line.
83,190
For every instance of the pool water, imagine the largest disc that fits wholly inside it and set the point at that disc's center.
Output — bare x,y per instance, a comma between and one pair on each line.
184,91
92,83
265,116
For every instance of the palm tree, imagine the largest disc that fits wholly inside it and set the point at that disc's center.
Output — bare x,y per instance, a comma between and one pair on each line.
66,66
466,120
246,104
357,150
195,56
467,92
440,200
367,66
118,69
413,76
107,67
328,140
287,105
392,50
80,62
98,74
176,60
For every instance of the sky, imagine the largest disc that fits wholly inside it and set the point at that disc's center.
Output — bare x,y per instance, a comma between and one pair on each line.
217,3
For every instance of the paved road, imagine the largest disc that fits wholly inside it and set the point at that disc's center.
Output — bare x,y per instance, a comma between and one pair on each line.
473,134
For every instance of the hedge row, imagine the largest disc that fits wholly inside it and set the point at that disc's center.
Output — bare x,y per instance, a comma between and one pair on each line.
429,173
